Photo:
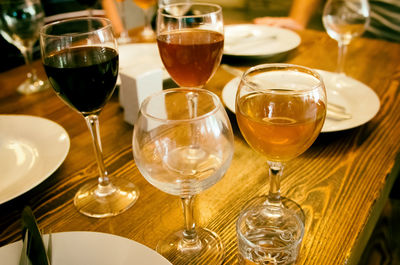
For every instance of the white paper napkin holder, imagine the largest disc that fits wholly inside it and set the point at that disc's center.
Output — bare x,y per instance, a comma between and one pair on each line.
137,83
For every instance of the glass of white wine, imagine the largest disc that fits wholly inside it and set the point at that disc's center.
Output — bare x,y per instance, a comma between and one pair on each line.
183,144
343,21
280,110
20,23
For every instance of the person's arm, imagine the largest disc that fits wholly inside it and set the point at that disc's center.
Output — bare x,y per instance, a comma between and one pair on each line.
302,11
112,13
299,16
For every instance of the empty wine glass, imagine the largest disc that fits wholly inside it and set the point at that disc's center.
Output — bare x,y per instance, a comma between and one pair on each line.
280,109
80,57
124,35
183,144
190,45
20,22
343,21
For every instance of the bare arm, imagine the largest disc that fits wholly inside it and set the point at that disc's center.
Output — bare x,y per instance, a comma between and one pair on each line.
302,10
299,16
112,13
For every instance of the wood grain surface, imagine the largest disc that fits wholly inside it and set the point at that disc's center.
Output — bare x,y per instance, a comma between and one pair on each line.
341,182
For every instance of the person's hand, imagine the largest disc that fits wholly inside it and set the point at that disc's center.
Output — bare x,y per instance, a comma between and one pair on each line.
283,22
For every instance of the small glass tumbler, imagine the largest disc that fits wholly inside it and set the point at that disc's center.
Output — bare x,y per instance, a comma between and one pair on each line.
258,241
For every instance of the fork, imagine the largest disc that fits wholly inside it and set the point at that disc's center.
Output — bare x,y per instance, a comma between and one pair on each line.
23,260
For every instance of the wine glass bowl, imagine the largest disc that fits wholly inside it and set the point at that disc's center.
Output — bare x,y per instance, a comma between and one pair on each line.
344,20
276,119
20,23
182,145
190,45
80,57
280,110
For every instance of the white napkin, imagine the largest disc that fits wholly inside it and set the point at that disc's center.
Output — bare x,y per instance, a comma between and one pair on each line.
137,83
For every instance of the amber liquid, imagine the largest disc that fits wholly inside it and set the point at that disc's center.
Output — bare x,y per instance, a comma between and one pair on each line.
145,4
192,56
280,127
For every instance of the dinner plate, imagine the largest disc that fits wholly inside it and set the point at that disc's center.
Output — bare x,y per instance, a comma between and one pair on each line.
251,40
358,99
144,55
31,149
89,248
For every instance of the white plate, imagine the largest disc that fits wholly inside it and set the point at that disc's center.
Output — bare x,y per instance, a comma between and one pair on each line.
249,40
358,99
90,248
144,55
31,149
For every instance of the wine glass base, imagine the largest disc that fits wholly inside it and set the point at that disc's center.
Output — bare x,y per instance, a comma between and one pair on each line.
124,40
116,198
287,203
27,87
208,250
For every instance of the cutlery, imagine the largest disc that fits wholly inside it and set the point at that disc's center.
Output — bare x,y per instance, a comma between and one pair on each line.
33,250
334,111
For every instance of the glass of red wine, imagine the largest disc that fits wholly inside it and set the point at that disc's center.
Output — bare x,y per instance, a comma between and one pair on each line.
190,39
80,57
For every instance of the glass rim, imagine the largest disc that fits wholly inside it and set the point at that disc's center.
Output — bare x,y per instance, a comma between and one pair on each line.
253,245
107,25
280,67
215,98
164,7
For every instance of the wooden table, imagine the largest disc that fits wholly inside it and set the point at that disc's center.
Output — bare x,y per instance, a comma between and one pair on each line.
341,182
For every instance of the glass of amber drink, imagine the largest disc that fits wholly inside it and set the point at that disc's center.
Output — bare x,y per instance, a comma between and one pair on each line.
280,109
190,41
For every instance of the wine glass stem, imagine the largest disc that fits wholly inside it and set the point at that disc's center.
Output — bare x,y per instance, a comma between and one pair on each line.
93,123
341,57
190,238
27,54
147,21
121,7
275,173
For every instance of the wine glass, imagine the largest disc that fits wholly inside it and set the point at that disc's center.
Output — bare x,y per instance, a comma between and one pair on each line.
280,110
183,144
343,21
190,45
80,58
148,9
20,22
124,35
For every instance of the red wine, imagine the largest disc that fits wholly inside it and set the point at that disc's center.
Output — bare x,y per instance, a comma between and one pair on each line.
84,77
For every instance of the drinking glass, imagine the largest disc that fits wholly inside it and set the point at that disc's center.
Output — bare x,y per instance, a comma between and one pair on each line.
80,58
124,35
280,109
183,144
20,22
343,21
190,45
259,242
148,9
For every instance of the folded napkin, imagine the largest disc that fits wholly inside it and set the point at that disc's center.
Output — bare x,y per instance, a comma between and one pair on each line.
137,83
